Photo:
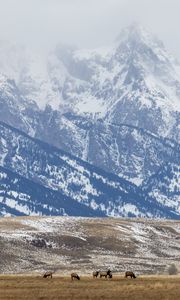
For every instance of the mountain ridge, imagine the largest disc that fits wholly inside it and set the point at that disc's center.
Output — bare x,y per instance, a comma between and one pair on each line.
75,178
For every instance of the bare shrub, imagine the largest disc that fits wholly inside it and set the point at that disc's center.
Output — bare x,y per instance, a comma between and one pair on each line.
172,270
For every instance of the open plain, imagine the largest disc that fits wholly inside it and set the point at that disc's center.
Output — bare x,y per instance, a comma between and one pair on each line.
23,287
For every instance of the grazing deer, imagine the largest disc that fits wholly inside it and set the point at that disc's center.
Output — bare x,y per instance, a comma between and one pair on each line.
105,274
47,274
75,276
130,274
95,274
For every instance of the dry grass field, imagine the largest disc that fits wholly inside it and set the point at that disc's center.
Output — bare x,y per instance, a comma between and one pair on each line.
33,287
31,246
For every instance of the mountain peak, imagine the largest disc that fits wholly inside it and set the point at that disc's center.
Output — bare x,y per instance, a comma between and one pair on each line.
138,34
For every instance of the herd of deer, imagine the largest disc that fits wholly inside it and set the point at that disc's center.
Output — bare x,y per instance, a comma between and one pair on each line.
106,274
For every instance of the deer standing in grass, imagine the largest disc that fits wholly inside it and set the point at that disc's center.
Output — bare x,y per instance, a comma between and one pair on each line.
95,274
130,274
105,274
47,274
75,276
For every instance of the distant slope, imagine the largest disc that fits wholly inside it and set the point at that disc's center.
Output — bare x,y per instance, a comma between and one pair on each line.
20,196
165,186
127,151
66,244
74,178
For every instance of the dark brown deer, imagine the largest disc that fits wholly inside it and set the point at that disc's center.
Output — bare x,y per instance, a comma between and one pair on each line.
130,274
75,276
95,274
47,274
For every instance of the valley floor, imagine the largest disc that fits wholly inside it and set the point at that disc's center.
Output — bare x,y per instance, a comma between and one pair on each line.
28,287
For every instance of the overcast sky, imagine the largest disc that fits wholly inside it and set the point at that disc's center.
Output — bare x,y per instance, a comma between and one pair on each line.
87,23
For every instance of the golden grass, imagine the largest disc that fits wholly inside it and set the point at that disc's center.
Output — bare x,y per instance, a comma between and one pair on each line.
33,287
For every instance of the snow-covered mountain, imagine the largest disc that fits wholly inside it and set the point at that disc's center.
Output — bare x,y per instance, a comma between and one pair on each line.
117,108
124,150
134,81
31,72
12,104
57,170
164,186
20,196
